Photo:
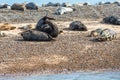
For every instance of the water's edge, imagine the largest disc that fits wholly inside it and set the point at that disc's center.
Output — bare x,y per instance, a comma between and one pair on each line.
93,75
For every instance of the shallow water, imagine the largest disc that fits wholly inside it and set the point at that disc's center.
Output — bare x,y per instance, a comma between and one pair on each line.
72,76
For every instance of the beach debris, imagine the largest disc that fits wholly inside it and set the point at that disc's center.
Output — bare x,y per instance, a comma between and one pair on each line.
2,34
46,25
77,26
96,32
17,6
112,20
32,6
34,35
7,26
107,35
63,10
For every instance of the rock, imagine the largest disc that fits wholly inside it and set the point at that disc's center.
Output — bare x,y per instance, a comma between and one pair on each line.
112,20
63,10
32,6
45,25
17,6
78,26
34,35
7,26
107,34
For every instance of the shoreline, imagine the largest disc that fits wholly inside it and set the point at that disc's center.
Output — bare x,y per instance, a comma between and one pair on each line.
65,72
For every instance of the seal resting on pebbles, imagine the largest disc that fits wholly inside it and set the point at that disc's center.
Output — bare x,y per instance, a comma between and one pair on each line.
45,25
17,6
77,26
34,35
112,20
107,35
96,32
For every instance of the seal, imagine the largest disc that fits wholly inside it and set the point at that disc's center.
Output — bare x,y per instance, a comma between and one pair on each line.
77,26
34,35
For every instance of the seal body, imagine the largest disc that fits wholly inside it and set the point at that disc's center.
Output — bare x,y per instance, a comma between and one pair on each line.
34,35
78,26
96,32
17,6
107,35
112,20
45,25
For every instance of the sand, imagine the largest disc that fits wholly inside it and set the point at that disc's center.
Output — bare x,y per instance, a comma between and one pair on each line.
71,51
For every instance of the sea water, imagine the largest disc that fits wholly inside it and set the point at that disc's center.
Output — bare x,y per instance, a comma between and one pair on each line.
71,76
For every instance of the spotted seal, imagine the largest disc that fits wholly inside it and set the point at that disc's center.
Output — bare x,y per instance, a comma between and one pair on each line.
96,32
107,34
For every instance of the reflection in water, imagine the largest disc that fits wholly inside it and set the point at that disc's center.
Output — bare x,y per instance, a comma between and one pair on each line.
72,76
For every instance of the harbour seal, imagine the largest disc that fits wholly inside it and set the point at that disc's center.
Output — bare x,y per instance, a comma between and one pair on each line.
77,26
107,35
34,35
46,25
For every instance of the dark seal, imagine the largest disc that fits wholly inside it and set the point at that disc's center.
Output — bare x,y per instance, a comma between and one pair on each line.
77,26
34,35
